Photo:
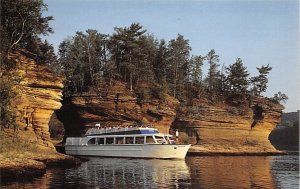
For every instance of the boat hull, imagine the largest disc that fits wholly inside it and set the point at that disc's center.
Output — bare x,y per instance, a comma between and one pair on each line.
162,151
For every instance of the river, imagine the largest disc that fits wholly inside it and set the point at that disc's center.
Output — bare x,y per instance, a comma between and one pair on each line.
193,172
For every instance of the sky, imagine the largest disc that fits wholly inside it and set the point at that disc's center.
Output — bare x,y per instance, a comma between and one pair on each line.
260,32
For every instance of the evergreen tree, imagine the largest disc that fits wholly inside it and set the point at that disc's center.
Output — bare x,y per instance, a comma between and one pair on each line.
125,48
46,54
83,58
237,80
196,63
178,59
280,97
260,82
212,59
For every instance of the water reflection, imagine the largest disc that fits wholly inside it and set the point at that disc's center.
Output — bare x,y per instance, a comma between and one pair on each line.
130,173
231,172
194,172
285,170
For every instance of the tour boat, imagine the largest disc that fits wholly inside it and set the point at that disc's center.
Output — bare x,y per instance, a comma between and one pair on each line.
135,142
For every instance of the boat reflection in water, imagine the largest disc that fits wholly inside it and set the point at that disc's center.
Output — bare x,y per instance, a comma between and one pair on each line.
130,173
194,172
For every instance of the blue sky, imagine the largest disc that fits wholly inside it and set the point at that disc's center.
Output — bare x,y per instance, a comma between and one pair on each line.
257,31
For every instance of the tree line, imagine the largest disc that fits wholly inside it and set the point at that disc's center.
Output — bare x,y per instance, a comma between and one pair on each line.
93,60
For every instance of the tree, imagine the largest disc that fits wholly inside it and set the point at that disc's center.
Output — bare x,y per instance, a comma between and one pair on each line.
260,82
178,59
280,97
22,22
160,63
196,63
21,25
83,58
212,59
237,79
46,54
125,48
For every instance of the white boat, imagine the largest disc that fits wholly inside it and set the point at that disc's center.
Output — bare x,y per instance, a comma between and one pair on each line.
135,142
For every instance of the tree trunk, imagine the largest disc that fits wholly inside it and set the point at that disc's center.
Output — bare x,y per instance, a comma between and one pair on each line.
130,81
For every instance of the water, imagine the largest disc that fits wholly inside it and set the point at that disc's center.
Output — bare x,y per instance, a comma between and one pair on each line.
194,172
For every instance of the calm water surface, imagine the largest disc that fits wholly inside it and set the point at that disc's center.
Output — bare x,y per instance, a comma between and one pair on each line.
194,172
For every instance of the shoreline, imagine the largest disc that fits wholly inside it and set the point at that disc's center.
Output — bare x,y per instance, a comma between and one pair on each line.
34,167
220,153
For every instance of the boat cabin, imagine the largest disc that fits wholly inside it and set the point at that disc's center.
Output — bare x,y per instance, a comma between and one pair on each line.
122,136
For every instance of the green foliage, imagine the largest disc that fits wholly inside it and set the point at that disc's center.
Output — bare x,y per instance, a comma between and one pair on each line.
237,80
7,113
152,67
22,22
82,59
259,82
196,89
280,97
212,59
133,53
177,68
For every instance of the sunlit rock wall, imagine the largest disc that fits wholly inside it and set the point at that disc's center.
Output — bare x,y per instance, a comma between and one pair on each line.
117,107
223,128
37,96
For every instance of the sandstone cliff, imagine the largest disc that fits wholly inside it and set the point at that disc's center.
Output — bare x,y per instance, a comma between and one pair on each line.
38,94
222,128
118,106
210,127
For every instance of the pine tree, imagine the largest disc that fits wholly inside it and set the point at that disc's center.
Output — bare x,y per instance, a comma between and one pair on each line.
125,48
260,82
178,56
237,80
82,59
212,59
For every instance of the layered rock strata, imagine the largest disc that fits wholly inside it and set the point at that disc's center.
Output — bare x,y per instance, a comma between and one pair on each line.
38,94
227,129
117,107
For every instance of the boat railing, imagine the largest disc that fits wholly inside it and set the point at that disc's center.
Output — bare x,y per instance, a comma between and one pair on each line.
104,130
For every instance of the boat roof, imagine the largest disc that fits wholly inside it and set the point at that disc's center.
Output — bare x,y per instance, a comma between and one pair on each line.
121,131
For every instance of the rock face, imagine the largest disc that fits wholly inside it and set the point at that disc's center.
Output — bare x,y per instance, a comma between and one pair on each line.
117,107
211,128
222,128
38,95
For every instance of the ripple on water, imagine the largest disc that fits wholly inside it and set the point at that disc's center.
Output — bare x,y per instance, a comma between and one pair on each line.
194,172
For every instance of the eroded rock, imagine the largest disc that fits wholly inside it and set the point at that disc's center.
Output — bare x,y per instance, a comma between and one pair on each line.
39,93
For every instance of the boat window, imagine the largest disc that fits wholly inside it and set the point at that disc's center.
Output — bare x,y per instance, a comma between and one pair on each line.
119,140
139,140
171,140
129,140
99,140
160,139
91,141
149,140
109,140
